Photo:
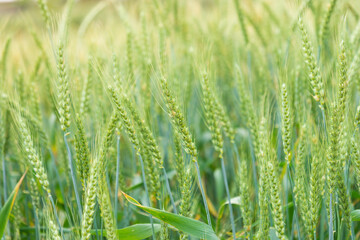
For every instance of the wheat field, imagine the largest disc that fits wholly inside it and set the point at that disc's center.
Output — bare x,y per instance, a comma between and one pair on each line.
169,119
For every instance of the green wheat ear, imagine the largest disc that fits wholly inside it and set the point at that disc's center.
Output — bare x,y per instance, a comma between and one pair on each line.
324,30
264,182
85,95
95,182
44,11
245,207
343,83
276,203
17,221
184,179
53,230
128,125
34,193
286,123
106,209
129,55
162,50
316,82
34,160
357,118
90,201
300,188
150,148
211,119
317,187
82,152
63,90
215,108
334,149
298,170
178,120
4,58
145,46
32,155
356,161
164,234
241,20
248,112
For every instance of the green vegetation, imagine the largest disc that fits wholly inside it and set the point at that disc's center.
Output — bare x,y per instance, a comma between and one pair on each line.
169,119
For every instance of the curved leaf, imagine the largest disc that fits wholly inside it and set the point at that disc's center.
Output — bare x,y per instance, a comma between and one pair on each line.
234,201
6,209
134,232
355,215
187,225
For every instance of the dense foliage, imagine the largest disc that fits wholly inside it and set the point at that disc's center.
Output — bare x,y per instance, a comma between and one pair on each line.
167,119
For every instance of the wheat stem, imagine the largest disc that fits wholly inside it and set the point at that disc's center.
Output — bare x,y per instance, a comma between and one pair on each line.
293,197
202,192
117,177
73,177
169,190
331,235
147,194
229,198
4,177
37,226
253,161
58,178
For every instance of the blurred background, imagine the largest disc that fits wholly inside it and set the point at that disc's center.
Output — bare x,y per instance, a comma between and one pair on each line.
8,7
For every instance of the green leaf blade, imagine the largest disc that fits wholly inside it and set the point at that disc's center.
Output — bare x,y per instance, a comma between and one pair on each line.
355,215
187,225
6,209
134,232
